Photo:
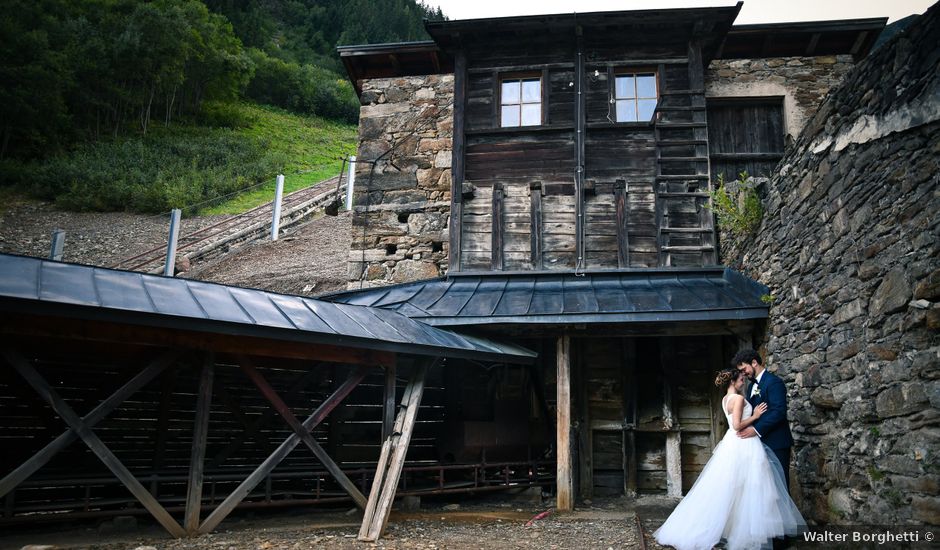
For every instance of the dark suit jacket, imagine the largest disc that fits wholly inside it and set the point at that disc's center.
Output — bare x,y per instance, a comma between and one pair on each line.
773,426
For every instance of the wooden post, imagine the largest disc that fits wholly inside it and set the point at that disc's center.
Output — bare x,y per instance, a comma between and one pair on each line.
674,464
564,480
94,443
99,413
198,453
388,408
535,242
392,459
630,418
496,233
457,161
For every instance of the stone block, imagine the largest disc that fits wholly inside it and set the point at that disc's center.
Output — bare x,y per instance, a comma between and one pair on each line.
841,503
393,181
848,311
928,288
892,294
901,399
926,509
822,397
413,270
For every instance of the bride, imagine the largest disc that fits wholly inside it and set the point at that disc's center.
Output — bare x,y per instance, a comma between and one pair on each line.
740,496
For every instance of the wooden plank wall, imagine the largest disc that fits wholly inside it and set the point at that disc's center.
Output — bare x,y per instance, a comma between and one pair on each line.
658,171
151,433
653,371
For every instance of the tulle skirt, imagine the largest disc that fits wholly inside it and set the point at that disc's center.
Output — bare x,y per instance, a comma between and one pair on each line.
740,497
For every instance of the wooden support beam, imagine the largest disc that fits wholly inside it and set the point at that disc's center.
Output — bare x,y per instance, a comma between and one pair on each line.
630,417
535,242
496,233
623,239
457,160
98,447
265,468
392,459
674,464
388,406
99,413
303,433
198,452
48,327
253,431
564,479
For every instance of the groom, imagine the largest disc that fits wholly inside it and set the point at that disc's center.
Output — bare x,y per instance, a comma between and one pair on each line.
766,387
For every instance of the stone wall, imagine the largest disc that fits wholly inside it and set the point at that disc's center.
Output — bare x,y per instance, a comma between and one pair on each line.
849,245
803,82
402,190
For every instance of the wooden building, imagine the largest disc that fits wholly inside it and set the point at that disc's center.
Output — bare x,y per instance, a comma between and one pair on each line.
553,173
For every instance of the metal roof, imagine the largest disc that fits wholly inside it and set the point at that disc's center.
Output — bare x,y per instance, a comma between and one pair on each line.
35,286
623,296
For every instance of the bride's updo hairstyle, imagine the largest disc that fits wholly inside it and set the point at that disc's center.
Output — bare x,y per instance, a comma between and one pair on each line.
726,377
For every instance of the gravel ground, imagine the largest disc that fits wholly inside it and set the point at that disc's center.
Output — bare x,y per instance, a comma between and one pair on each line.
92,238
308,259
489,525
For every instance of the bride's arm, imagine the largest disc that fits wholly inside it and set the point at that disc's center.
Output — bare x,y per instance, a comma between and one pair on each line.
738,410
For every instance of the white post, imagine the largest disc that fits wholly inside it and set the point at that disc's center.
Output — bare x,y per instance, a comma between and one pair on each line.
168,267
58,243
278,193
351,181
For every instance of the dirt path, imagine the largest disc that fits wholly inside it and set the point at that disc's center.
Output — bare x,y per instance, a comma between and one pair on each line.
490,525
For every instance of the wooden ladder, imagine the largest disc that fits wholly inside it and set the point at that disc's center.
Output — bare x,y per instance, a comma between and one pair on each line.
392,459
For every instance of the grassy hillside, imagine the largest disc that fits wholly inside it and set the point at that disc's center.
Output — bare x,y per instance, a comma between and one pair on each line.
193,164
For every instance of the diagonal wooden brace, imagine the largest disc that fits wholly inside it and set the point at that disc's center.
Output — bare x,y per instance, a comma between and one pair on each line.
99,413
281,407
253,479
392,458
94,443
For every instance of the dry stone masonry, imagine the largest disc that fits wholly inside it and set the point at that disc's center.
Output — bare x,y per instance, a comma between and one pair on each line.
402,194
849,245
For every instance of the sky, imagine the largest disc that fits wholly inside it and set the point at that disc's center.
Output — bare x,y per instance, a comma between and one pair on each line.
753,11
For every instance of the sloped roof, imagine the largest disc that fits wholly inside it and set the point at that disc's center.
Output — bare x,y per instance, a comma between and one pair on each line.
623,296
35,286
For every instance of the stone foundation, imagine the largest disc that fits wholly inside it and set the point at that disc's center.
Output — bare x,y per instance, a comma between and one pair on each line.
849,246
402,191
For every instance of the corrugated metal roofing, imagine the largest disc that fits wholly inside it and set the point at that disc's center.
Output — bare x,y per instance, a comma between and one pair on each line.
31,285
646,295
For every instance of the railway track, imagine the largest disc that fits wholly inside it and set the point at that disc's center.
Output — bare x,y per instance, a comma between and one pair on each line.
247,226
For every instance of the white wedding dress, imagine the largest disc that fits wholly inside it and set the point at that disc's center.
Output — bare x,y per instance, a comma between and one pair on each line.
739,497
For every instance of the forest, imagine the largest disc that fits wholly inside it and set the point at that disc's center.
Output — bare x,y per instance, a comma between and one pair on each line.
81,77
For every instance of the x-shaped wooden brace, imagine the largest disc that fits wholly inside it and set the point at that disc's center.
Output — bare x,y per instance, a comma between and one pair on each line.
302,432
81,428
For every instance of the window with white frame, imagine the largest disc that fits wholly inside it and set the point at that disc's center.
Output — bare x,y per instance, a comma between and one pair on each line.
520,101
635,96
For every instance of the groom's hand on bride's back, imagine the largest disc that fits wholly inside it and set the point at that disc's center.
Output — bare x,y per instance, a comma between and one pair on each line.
747,432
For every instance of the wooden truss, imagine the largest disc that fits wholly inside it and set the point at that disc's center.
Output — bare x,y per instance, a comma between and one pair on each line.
81,428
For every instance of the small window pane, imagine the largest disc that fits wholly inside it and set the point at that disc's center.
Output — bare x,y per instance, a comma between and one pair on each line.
510,116
646,108
625,87
531,115
510,92
626,111
646,85
531,91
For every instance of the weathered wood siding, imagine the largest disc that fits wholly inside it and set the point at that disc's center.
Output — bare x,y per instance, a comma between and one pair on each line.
645,184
